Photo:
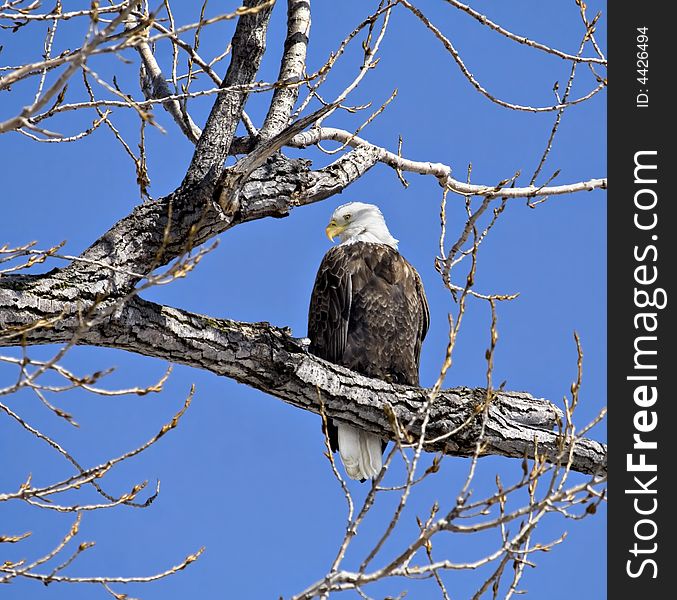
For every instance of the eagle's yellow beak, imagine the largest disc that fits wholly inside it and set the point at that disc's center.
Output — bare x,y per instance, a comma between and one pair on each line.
333,230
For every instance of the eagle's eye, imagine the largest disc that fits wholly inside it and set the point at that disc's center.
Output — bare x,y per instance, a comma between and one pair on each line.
347,217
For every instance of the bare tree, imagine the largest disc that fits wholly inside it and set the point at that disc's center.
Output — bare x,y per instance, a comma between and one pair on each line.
96,297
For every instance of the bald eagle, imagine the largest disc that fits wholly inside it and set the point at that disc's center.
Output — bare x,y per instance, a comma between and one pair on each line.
369,313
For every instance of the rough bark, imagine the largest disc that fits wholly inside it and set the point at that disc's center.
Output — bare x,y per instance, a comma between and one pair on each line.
156,233
249,45
269,359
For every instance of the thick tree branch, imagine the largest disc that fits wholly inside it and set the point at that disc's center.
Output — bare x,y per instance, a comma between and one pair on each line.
291,68
249,45
157,232
269,359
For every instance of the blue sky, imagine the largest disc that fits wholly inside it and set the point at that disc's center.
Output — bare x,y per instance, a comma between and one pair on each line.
244,474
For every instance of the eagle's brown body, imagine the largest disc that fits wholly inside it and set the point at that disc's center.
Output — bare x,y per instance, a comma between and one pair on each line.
368,312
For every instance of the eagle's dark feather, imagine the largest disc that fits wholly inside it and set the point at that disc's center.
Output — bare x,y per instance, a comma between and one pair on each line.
368,312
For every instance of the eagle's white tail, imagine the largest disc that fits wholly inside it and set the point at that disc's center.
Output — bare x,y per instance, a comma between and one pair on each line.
360,452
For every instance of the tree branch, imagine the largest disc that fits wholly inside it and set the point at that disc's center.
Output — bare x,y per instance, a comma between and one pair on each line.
291,68
157,232
483,20
161,90
438,170
249,45
76,60
269,359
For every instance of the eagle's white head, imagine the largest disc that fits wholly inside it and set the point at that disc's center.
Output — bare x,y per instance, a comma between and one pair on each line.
359,222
